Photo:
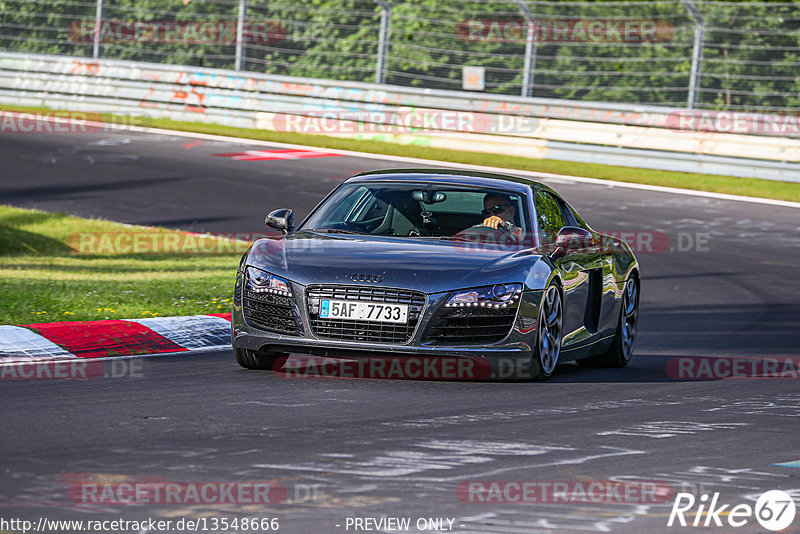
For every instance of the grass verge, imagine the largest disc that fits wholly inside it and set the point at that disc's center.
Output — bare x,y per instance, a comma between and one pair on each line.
55,267
702,182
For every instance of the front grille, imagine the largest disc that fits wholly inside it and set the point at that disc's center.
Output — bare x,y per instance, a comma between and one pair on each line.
360,330
470,326
274,313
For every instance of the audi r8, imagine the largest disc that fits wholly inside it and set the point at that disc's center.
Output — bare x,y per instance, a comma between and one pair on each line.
433,264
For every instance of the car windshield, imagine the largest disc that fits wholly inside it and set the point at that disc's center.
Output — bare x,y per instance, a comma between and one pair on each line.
419,210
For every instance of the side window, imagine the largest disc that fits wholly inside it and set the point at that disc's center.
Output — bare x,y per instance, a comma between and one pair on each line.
569,214
347,205
376,210
370,207
551,219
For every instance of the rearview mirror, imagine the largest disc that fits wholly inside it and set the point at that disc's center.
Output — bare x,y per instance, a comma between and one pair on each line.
573,239
428,197
282,219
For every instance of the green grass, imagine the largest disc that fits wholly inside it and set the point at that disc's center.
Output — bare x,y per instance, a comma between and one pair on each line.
45,277
702,182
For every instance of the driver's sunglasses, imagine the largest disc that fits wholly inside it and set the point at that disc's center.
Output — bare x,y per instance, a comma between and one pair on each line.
495,210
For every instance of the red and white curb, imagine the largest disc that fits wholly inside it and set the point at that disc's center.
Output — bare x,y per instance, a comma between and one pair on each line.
123,337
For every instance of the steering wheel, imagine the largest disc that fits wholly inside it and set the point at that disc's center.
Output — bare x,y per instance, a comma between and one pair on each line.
478,231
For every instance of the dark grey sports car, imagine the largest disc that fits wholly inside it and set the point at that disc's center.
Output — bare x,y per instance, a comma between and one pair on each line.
430,265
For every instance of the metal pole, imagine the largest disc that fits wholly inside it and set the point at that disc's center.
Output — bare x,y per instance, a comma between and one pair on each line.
98,26
530,48
697,53
241,17
383,40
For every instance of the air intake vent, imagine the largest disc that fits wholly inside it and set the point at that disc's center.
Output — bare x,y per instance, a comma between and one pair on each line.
274,313
592,316
471,326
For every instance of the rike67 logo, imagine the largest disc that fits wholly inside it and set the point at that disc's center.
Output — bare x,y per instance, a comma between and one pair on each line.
774,510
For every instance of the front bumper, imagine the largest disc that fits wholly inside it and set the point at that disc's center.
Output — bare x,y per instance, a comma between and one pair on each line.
511,356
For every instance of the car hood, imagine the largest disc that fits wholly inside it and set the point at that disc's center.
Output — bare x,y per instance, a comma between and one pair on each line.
429,265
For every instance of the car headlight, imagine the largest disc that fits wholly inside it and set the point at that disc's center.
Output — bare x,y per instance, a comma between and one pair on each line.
263,282
495,296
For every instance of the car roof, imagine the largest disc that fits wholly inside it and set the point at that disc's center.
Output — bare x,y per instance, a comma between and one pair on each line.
447,177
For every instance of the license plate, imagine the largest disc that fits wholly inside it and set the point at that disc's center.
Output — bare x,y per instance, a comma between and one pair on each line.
363,311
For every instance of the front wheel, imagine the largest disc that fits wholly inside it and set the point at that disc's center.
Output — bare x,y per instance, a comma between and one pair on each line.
549,332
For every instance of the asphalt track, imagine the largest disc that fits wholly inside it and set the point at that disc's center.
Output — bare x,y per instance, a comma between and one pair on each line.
397,448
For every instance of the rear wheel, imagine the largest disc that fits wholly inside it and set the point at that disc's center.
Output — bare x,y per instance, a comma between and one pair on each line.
548,334
621,350
250,359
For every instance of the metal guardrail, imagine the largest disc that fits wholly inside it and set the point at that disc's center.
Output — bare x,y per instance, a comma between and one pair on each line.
574,131
351,93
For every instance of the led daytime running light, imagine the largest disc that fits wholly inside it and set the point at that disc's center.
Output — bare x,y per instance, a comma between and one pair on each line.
259,281
483,301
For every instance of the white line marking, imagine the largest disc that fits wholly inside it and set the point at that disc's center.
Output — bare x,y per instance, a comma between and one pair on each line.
530,174
615,451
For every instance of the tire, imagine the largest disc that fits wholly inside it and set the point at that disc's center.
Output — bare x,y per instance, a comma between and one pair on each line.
250,359
621,350
549,333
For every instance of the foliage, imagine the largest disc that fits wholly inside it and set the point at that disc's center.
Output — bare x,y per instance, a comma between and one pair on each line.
750,56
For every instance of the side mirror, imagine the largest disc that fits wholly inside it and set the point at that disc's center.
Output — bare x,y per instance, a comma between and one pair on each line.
573,239
282,219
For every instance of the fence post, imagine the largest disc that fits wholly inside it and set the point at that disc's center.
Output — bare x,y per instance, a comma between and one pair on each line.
241,16
383,40
530,48
98,27
697,52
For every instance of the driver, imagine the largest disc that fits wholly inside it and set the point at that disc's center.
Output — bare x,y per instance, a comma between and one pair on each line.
499,213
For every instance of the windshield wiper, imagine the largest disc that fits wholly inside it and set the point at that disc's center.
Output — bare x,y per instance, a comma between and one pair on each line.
334,231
